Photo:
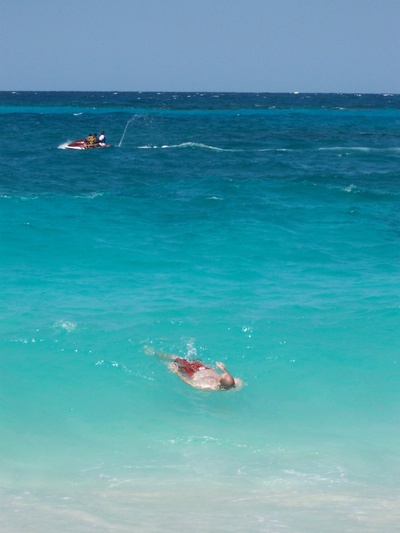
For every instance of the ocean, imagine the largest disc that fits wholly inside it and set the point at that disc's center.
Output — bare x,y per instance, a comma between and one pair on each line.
260,230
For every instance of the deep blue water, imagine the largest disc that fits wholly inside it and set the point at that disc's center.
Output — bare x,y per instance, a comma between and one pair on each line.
261,230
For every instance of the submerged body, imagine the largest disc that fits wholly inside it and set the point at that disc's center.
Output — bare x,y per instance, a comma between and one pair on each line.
198,374
201,376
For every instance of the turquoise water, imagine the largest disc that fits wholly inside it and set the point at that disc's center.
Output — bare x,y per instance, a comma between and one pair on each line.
258,230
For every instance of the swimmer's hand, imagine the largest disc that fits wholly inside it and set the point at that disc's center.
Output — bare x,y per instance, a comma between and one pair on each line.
221,366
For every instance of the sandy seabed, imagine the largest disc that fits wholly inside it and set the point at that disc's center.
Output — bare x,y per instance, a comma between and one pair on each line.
194,508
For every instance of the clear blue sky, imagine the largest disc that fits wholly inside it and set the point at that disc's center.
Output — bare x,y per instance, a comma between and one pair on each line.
203,45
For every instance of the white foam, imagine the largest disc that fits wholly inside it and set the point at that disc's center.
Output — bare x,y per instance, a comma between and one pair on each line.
275,150
345,148
350,188
63,146
191,349
196,145
89,195
66,325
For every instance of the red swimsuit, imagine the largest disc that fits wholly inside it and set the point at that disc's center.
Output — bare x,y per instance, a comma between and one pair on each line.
189,367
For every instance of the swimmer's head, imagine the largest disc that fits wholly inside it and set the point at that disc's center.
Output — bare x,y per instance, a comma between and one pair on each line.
226,382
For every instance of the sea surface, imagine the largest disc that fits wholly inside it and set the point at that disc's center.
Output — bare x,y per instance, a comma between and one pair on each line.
260,230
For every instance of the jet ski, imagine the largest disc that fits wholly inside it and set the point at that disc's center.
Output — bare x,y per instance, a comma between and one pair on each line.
81,144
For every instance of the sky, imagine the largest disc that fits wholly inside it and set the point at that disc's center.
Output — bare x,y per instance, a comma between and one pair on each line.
205,45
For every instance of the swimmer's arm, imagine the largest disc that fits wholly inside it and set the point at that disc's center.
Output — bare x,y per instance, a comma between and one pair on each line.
221,366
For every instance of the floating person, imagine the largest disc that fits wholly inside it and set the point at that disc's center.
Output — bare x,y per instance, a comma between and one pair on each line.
199,375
